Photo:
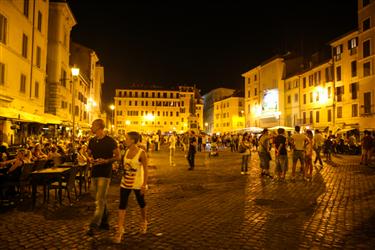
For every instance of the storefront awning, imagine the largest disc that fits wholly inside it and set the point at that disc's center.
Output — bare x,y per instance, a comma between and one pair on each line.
23,116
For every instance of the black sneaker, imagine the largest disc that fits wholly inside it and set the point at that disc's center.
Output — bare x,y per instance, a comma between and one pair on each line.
91,230
104,226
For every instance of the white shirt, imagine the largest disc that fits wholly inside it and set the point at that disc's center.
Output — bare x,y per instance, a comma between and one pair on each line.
299,141
172,141
133,177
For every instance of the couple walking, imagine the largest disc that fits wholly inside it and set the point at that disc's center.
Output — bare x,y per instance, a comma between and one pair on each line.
103,151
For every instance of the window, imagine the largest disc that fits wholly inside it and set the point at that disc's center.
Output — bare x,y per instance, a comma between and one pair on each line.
130,103
146,94
38,56
365,3
329,90
367,102
248,93
36,91
338,73
3,29
153,94
304,82
289,99
311,79
329,74
367,69
26,8
366,48
2,73
311,117
317,77
23,84
353,43
317,97
63,77
366,24
255,77
337,52
164,95
317,113
354,68
295,97
40,21
311,97
158,94
130,94
119,102
339,112
354,110
171,95
248,80
354,90
304,98
24,45
339,93
135,103
255,92
329,115
136,94
304,117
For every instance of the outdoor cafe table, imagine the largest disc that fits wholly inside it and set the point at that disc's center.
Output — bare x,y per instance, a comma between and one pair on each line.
81,171
43,176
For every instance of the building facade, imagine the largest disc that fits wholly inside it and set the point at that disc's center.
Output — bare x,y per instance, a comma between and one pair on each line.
91,79
208,111
229,115
152,109
59,77
23,52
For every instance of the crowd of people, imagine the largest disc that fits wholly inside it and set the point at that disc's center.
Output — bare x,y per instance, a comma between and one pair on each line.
105,154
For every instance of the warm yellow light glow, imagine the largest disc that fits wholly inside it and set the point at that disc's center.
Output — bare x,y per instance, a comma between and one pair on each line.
149,117
112,107
257,110
322,93
127,122
75,71
206,124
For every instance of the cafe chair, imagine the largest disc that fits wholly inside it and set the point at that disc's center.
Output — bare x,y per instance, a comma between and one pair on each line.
68,184
83,177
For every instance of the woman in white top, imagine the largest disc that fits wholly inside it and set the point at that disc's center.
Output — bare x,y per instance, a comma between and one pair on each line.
134,179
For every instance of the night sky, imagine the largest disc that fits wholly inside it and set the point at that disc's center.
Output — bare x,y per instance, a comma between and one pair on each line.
210,45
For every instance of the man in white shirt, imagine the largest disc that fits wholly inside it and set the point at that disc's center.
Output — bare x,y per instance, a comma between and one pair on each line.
172,148
299,142
318,142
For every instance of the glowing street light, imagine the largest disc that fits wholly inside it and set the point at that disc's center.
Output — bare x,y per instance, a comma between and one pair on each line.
127,122
75,74
112,107
149,117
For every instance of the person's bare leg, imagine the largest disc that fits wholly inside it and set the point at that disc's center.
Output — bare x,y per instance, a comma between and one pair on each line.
144,220
121,225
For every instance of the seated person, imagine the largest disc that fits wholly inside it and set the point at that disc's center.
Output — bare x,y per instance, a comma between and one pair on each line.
54,156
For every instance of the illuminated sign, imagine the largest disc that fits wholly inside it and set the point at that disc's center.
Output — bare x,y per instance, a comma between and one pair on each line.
270,100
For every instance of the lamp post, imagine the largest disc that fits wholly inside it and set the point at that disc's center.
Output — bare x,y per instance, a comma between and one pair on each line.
75,74
112,107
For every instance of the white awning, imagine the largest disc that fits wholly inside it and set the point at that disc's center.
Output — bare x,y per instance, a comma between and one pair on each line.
23,116
286,128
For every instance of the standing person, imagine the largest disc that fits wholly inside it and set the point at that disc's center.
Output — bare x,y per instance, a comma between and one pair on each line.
135,179
245,144
192,150
199,143
298,143
102,152
204,142
264,153
366,143
281,154
318,145
308,156
172,148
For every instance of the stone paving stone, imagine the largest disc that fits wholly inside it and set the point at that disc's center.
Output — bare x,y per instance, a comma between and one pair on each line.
214,207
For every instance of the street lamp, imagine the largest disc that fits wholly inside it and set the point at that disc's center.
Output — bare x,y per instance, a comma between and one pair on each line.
112,107
75,74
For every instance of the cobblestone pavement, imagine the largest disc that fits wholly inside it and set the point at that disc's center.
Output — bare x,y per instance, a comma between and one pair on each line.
214,207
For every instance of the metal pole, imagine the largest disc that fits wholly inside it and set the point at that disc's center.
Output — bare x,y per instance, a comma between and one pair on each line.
73,110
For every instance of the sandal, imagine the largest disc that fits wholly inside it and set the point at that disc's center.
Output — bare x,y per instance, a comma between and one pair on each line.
143,228
117,239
